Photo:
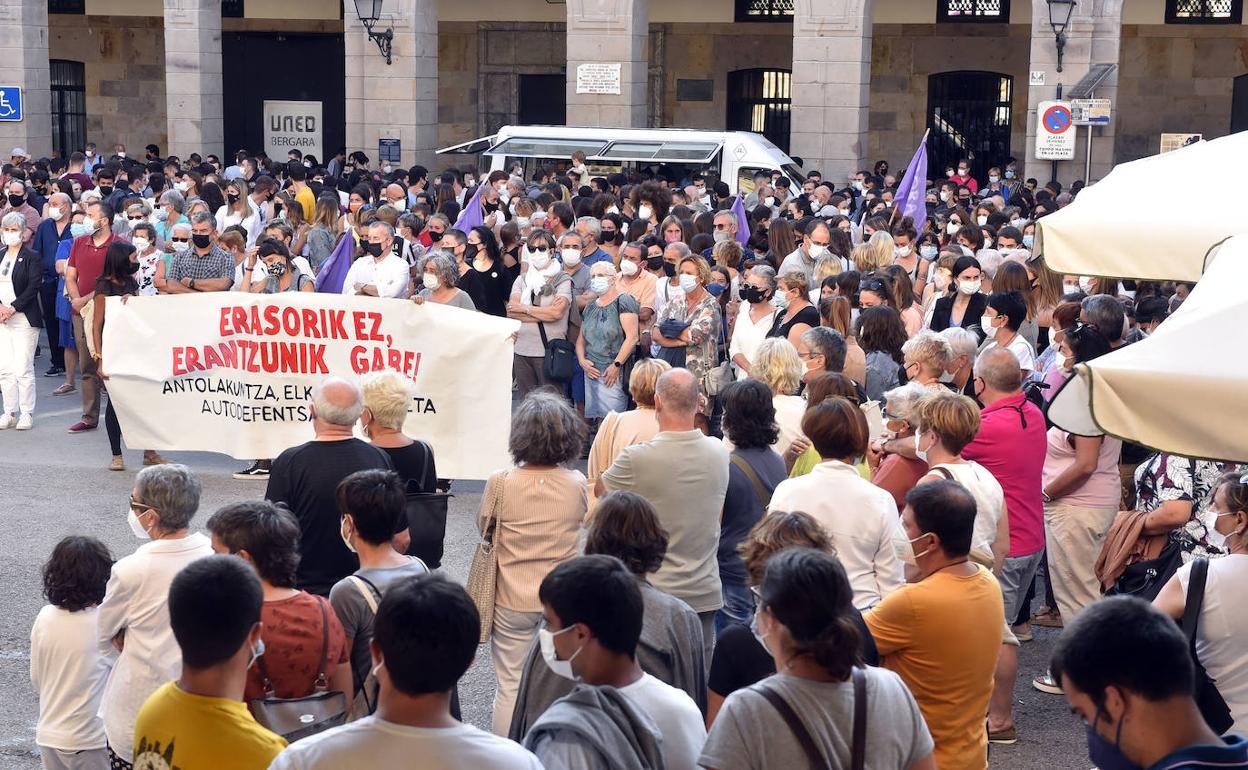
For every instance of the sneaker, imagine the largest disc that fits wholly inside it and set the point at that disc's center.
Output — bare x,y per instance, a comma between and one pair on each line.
151,458
118,464
26,422
64,390
7,421
81,427
1046,683
54,371
1006,737
257,471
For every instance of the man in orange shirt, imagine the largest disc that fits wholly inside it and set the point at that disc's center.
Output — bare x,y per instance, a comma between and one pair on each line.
942,632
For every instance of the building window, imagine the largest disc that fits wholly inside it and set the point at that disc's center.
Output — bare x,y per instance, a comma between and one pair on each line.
764,10
78,7
69,105
1204,11
232,9
973,11
760,100
969,114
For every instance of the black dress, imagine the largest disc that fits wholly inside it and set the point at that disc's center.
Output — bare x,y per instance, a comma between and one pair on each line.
490,289
807,315
943,311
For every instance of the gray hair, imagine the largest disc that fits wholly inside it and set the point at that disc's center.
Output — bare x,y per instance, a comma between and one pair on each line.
179,226
961,342
545,430
439,218
901,401
989,261
928,347
571,234
139,207
172,490
767,273
1102,311
60,196
1000,370
592,225
203,216
724,213
444,265
173,198
681,248
828,343
384,226
337,414
13,219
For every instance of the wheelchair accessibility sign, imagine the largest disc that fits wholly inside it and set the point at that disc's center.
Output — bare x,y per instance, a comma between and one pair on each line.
10,104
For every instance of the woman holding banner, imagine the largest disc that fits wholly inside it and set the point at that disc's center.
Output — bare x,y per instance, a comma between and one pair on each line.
281,274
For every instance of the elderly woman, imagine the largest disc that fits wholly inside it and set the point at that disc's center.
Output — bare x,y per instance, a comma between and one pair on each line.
670,648
620,430
179,241
541,298
607,340
926,356
21,277
755,319
134,616
896,473
739,659
170,211
532,514
387,398
440,275
690,322
777,365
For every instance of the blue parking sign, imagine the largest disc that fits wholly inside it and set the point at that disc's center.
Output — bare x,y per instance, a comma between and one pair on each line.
10,104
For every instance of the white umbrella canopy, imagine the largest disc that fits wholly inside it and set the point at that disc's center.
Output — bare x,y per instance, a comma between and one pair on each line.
1182,390
1114,228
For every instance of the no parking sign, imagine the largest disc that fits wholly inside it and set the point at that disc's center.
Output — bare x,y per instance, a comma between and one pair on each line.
1055,133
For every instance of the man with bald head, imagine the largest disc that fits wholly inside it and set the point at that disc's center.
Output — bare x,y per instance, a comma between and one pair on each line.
306,479
1011,445
684,475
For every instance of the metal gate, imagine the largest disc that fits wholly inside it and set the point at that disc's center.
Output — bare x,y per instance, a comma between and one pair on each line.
969,114
761,100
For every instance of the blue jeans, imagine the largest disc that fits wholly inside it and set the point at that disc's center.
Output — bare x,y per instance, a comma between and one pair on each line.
601,399
738,606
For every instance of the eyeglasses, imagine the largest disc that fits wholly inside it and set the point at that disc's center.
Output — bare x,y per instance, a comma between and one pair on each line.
138,507
758,596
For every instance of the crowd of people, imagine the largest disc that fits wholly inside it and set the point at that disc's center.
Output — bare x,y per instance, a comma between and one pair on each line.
820,489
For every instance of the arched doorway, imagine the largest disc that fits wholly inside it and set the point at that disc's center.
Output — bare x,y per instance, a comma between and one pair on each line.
760,100
969,115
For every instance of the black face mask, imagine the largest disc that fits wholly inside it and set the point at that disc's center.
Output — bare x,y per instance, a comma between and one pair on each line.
232,198
371,249
106,190
470,252
132,268
16,200
669,269
201,241
752,294
654,263
608,236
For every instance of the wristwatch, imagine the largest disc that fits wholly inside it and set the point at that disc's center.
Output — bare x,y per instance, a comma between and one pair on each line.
617,363
192,283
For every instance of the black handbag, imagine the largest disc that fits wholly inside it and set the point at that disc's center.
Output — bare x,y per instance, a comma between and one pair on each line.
296,718
1144,579
426,523
559,363
1211,703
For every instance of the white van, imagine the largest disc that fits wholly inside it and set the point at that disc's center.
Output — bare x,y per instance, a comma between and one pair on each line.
733,156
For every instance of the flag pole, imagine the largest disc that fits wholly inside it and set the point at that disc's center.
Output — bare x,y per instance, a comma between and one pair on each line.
892,217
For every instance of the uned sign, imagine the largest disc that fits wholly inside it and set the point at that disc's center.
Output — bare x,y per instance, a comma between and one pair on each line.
295,125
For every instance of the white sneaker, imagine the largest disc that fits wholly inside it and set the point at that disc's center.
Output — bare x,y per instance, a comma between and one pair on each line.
25,422
7,421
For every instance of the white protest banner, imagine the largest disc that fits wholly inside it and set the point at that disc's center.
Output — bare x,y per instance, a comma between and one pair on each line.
232,372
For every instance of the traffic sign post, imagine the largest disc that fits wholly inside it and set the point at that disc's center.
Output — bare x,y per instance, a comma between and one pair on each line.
10,104
1055,133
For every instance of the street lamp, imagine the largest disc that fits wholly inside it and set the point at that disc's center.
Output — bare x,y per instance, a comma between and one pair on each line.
369,12
1059,18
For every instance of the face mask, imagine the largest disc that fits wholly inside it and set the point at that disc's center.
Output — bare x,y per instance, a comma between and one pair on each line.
16,200
929,252
952,228
1018,222
985,323
277,269
12,239
780,301
374,249
963,172
538,260
762,638
721,236
386,169
571,257
1106,755
902,251
1085,284
307,164
160,215
944,196
180,246
181,186
949,172
88,224
202,241
669,269
136,526
752,294
77,230
141,244
919,453
942,281
654,263
981,220
121,154
969,287
1028,241
546,640
1009,173
628,267
1213,537
644,211
992,179
688,283
599,284
905,551
716,289
613,209
342,532
817,250
769,201
232,198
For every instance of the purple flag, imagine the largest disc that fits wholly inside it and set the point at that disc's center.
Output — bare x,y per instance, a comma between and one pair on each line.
911,195
334,270
471,216
743,222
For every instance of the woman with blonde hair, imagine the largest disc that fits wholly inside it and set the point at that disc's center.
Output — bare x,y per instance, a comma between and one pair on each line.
777,365
836,313
237,208
797,314
623,429
675,229
387,399
875,254
326,229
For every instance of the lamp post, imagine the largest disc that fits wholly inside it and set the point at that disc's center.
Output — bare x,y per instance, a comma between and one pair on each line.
1059,18
369,12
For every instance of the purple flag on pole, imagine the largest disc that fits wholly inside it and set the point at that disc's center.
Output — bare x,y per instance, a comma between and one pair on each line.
334,270
471,217
911,195
743,222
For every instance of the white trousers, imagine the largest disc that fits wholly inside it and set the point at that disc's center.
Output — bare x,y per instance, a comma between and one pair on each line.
18,340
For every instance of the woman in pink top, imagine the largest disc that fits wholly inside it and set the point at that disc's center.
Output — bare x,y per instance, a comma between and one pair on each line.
623,429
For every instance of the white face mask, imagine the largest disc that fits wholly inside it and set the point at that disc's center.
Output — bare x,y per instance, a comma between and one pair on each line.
121,154
628,267
904,548
769,201
758,635
11,239
136,526
929,252
688,283
1085,284
952,228
180,246
981,220
55,213
1213,537
1018,223
902,251
181,186
941,280
969,287
599,284
817,250
963,172
141,244
342,532
721,236
539,260
432,282
256,652
88,224
985,323
571,257
644,211
563,668
918,441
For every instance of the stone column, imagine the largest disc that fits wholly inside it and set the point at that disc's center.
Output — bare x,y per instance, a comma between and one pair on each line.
24,64
397,100
831,85
1093,36
194,86
609,32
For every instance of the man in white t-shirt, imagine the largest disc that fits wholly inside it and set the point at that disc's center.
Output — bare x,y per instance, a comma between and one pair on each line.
1001,321
424,638
592,608
380,272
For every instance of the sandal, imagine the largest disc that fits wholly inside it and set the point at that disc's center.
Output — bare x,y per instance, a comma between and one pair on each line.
1050,618
64,390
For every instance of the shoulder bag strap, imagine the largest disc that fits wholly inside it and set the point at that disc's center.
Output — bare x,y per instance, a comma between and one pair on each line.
541,329
803,736
1195,600
759,489
858,749
366,590
264,679
322,681
943,472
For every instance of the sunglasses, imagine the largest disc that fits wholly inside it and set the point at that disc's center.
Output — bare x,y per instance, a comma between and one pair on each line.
180,240
871,285
138,507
